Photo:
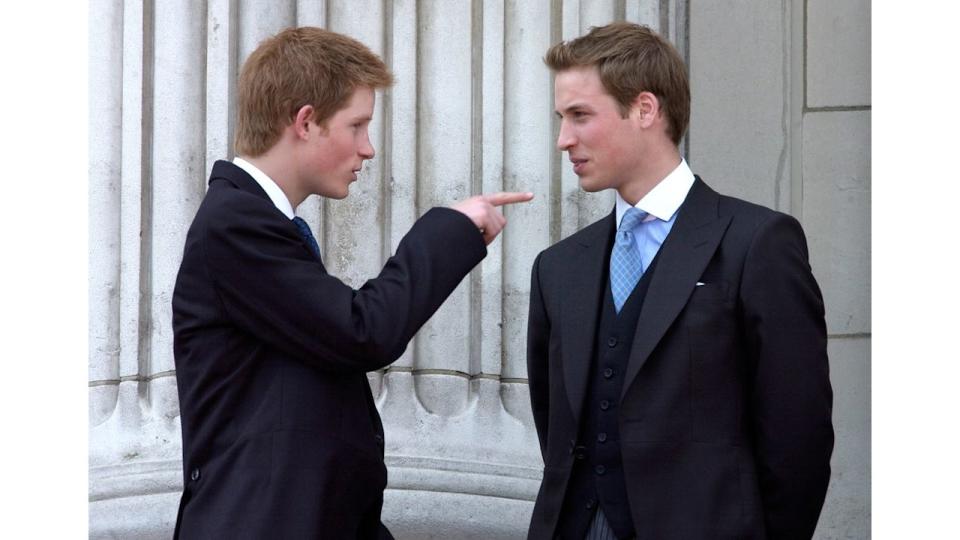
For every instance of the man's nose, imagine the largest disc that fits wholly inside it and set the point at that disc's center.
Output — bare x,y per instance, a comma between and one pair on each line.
565,140
366,150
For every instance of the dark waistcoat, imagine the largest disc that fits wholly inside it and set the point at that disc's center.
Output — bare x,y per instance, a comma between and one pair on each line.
597,476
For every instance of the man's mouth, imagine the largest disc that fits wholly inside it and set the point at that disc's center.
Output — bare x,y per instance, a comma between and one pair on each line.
578,164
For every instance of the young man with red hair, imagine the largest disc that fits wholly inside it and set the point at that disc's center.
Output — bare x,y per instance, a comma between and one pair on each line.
281,437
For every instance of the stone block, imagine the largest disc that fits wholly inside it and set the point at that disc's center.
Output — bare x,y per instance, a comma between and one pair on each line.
145,517
836,214
846,512
416,515
838,53
738,133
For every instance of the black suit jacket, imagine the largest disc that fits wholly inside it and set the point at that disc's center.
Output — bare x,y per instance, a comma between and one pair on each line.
725,413
281,437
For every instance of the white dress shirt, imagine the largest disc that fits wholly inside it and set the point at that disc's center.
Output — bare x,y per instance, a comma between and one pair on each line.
273,190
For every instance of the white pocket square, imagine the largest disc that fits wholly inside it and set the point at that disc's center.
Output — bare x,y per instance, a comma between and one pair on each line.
700,284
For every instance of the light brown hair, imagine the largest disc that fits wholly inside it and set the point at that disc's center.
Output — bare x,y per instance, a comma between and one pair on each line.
297,67
631,59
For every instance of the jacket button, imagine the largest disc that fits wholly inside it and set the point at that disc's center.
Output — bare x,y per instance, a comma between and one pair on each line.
607,373
590,504
195,474
604,405
379,439
602,437
612,342
600,470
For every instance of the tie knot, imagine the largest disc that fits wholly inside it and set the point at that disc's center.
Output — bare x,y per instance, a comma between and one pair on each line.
632,218
302,226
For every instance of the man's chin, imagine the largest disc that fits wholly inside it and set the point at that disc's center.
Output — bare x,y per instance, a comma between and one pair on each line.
592,185
336,194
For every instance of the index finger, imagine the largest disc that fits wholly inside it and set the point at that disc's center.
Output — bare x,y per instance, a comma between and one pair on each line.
508,197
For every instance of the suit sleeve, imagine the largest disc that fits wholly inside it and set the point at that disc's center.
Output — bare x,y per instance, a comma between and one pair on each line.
538,342
791,394
273,288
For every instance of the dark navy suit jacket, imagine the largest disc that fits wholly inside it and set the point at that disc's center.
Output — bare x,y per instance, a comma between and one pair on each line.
281,437
725,412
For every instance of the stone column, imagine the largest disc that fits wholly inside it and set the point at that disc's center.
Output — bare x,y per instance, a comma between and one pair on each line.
155,109
471,112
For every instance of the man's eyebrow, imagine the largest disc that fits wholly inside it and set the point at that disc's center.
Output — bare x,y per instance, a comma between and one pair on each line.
572,108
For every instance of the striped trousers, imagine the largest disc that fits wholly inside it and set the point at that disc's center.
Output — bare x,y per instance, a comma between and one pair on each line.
600,528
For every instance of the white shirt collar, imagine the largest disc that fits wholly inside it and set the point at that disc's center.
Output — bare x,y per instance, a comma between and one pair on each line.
273,190
663,201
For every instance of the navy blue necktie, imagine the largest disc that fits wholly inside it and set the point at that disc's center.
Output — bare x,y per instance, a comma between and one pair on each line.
626,267
307,236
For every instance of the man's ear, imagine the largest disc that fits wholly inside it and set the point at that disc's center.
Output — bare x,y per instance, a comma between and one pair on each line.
302,121
646,108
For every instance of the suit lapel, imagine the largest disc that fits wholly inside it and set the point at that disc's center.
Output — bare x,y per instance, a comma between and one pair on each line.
683,257
580,307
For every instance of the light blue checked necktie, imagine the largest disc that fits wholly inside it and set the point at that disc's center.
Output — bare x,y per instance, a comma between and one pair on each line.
626,267
307,235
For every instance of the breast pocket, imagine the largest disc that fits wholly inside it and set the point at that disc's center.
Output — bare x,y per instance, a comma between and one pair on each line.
714,291
709,307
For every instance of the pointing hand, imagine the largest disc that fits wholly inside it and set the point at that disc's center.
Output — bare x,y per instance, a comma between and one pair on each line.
482,210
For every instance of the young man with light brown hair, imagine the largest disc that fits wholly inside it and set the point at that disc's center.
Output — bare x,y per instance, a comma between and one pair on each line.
676,349
281,437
